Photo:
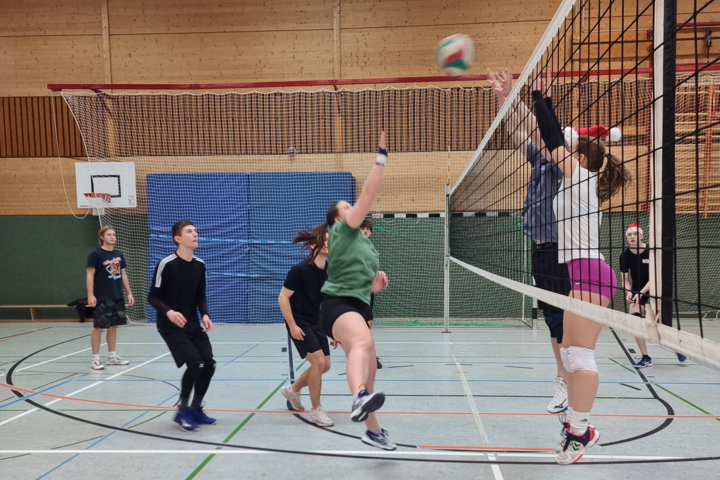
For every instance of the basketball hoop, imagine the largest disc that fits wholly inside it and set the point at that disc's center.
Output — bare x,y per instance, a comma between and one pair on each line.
98,202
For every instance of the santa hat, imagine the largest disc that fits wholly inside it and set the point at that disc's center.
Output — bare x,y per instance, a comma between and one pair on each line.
634,228
597,131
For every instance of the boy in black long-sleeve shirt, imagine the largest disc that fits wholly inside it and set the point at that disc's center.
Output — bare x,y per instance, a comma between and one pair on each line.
177,293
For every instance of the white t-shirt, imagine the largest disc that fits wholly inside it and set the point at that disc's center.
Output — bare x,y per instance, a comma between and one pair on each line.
577,209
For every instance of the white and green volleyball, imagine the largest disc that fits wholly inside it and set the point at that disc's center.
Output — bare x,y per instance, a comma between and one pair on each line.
455,54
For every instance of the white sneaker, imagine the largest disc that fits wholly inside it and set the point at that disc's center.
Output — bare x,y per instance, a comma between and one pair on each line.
96,365
559,403
117,361
575,447
320,418
294,398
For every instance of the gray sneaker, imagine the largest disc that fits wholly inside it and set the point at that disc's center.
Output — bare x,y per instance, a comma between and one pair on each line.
320,418
294,398
117,361
381,441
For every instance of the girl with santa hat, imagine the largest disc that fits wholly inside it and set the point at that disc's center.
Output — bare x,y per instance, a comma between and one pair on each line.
591,176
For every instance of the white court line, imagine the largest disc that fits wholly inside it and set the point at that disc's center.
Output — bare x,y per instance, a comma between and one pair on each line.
495,468
336,452
386,343
53,359
596,457
473,405
83,389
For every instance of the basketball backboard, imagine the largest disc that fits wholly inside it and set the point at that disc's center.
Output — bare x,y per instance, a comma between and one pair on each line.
114,178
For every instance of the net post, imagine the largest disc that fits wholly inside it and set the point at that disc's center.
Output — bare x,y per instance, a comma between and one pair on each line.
446,263
662,211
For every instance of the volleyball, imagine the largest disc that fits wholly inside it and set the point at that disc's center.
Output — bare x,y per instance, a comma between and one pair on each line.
455,54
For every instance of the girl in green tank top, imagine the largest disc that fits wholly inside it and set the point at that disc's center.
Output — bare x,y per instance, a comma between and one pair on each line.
352,276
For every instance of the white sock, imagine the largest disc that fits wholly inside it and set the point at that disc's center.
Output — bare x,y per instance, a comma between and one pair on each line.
112,354
96,358
579,423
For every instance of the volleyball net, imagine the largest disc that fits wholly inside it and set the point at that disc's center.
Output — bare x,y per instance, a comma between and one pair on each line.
651,76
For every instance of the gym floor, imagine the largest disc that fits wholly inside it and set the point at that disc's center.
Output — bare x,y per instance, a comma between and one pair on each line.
468,404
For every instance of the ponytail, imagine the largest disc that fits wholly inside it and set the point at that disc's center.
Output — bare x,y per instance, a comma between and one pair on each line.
313,241
613,177
332,213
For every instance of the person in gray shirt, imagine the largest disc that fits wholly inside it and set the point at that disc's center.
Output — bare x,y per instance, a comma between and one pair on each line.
539,222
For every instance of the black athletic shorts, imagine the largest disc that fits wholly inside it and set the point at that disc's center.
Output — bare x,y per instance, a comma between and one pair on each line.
644,297
548,273
315,339
109,313
332,307
191,347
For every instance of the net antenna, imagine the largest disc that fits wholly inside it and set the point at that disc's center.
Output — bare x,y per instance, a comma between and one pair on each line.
98,202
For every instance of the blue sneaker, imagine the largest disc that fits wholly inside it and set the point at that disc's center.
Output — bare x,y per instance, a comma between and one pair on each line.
365,404
379,441
681,357
643,363
186,420
201,418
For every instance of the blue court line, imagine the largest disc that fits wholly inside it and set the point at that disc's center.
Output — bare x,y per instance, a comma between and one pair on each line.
33,394
246,351
215,380
103,438
694,361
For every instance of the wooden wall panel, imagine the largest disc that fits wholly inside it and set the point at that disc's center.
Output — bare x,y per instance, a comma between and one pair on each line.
404,13
414,182
27,130
28,64
222,57
186,16
408,51
33,186
49,17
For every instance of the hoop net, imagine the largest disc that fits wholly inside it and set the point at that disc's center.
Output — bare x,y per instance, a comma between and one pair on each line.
98,202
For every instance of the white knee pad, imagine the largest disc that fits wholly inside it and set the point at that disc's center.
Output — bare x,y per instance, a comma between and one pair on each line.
565,358
581,359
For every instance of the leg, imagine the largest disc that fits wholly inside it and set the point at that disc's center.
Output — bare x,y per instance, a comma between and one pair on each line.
111,338
95,338
554,320
357,341
556,351
302,381
372,423
202,383
583,333
314,376
189,378
638,311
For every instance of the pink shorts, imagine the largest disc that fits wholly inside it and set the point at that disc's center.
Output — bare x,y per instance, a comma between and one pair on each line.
592,275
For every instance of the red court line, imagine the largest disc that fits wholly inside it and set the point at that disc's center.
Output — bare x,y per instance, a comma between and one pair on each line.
18,335
286,412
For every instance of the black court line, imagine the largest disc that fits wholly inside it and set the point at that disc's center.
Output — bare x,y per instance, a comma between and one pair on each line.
319,454
630,386
668,407
400,366
515,366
